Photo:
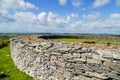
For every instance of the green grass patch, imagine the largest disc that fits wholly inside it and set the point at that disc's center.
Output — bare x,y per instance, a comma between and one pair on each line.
7,66
87,40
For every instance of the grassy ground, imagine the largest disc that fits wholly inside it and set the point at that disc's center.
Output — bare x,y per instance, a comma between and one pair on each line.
86,40
8,71
7,66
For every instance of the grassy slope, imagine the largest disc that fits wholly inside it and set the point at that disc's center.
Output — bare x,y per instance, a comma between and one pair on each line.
7,66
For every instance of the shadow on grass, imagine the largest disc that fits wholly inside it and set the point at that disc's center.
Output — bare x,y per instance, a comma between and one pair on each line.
3,75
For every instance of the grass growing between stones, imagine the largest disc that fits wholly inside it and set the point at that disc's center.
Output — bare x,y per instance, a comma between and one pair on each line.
8,71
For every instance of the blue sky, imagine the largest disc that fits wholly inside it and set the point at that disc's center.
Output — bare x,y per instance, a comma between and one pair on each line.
60,16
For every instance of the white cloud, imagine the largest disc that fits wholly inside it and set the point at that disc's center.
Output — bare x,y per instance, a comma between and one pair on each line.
51,22
76,3
43,22
25,17
7,4
3,11
55,20
115,16
94,16
118,2
25,5
74,15
70,17
99,3
4,18
15,4
108,25
42,17
62,2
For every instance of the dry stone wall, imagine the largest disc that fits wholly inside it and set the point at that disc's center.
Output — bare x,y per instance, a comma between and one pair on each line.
53,60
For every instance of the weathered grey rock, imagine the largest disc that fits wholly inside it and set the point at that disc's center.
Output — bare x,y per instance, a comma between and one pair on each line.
89,55
84,56
53,60
94,61
113,54
64,50
77,55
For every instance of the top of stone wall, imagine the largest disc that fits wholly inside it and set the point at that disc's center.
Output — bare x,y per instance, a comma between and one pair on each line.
44,38
64,46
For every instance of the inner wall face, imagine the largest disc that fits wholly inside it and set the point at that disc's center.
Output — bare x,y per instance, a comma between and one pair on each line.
53,60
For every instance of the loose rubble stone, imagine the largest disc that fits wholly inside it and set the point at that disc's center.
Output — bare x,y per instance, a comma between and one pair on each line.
54,60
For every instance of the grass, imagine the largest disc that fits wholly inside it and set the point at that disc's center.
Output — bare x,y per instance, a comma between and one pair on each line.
7,66
7,36
84,40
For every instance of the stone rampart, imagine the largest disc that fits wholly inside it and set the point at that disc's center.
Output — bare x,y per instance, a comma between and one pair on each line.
54,60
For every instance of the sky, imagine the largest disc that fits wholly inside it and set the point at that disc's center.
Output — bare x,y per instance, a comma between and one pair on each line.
60,16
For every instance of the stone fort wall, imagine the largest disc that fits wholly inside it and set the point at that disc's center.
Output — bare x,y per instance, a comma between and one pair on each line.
54,60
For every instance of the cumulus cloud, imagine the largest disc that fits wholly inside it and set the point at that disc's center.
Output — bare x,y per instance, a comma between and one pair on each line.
93,16
4,18
51,22
115,16
13,20
42,17
55,20
3,11
42,22
25,5
25,21
76,3
71,17
108,25
15,4
24,17
99,3
62,2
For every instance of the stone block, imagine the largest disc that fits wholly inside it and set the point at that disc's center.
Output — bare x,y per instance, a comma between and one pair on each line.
60,69
97,75
52,78
112,66
113,54
95,56
53,57
79,59
92,61
67,75
52,67
62,64
63,49
55,53
68,64
80,77
83,55
76,55
67,56
37,59
89,55
58,75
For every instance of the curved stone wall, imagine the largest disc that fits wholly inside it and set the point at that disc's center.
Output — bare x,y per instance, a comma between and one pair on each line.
53,60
